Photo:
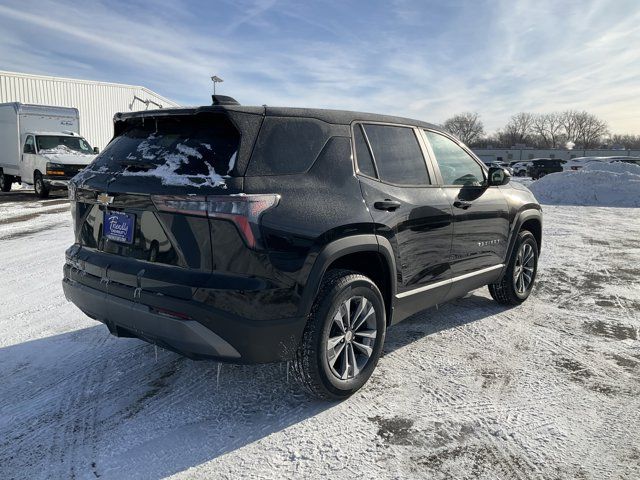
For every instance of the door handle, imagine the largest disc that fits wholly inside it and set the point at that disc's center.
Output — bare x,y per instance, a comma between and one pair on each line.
387,204
462,204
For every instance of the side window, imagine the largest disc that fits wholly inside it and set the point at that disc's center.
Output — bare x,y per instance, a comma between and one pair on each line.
456,166
363,155
288,145
29,145
397,155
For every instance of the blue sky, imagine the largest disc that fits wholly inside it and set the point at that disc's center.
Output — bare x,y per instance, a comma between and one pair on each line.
422,59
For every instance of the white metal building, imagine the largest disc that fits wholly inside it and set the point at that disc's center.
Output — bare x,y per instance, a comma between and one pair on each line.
97,102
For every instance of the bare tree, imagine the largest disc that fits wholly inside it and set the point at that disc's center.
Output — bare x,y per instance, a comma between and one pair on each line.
555,130
467,126
591,130
568,120
518,130
549,128
583,128
630,142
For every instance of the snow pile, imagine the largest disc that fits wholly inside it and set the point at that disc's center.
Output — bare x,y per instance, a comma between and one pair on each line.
616,167
597,184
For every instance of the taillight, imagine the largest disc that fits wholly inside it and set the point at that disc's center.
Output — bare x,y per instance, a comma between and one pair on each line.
190,205
244,210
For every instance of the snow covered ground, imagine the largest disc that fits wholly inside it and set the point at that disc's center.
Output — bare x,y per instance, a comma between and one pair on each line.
550,389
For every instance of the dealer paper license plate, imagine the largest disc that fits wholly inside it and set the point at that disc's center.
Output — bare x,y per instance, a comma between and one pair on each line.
119,226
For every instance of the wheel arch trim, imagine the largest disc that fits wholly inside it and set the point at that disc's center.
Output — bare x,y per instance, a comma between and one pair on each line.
522,217
340,248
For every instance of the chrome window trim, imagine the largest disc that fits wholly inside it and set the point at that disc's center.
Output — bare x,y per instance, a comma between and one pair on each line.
449,281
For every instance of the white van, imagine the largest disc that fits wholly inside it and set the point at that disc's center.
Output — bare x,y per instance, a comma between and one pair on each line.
41,146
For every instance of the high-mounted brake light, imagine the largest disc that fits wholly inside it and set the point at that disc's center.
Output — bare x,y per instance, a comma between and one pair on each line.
244,210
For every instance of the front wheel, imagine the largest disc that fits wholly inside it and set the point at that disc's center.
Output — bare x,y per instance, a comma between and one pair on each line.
39,186
5,182
517,282
344,336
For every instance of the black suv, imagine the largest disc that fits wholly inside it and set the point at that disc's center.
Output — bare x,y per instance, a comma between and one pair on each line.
543,166
259,234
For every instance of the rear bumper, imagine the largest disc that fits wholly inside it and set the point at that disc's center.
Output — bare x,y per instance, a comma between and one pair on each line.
203,334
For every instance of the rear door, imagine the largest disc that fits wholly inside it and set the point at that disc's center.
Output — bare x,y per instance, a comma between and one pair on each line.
408,209
480,212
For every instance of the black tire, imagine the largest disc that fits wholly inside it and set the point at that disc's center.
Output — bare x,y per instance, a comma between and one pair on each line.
5,182
312,363
506,291
39,187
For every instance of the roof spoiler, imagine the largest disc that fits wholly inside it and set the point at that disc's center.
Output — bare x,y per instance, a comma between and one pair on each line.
224,100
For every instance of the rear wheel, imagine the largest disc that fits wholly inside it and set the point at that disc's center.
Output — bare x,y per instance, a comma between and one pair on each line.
344,336
517,282
5,182
38,185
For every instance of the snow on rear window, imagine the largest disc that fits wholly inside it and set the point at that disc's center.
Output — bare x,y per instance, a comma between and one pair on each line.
191,152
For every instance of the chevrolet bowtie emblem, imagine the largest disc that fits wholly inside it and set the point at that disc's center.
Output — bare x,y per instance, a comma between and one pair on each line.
104,199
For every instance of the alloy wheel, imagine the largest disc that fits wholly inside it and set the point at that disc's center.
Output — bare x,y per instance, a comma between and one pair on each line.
351,337
524,268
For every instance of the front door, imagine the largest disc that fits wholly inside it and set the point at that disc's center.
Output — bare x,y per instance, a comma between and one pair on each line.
481,215
28,159
408,209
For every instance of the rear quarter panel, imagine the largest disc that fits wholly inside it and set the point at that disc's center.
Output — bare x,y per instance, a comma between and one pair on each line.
316,207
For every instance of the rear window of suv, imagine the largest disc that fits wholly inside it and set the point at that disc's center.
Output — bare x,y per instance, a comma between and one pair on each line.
197,150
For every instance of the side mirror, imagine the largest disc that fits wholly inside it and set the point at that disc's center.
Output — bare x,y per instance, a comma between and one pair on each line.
96,150
498,176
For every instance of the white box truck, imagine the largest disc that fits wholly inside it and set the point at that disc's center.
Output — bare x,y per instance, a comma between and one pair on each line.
41,146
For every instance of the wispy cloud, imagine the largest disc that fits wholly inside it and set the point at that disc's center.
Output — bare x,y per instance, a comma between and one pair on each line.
419,59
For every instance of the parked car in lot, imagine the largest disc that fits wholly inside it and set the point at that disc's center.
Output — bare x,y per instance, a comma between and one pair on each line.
633,160
543,166
504,165
621,158
40,146
578,162
260,234
520,168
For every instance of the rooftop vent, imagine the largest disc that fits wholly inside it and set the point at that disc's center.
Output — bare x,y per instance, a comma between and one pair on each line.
224,100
